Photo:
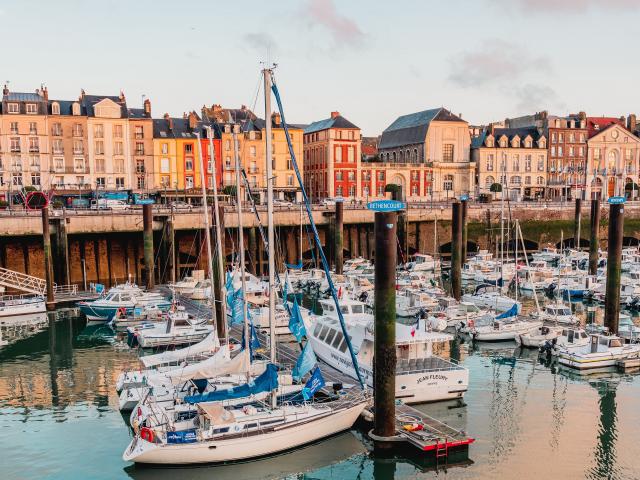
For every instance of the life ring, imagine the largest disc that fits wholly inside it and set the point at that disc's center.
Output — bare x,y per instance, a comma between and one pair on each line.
147,434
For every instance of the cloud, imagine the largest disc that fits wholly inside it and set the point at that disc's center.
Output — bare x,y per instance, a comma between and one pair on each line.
494,61
575,6
261,42
533,98
343,30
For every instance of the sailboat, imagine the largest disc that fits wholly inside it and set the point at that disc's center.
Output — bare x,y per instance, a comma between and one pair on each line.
221,432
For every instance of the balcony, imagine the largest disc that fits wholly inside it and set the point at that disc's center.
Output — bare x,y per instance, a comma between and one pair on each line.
34,168
78,152
139,151
15,149
140,169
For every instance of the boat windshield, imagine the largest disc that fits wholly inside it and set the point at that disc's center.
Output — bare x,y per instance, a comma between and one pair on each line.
357,309
564,311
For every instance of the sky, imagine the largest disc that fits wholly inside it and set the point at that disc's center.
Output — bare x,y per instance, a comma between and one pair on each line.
370,60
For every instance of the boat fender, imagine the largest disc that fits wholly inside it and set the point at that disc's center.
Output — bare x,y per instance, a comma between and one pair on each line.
147,434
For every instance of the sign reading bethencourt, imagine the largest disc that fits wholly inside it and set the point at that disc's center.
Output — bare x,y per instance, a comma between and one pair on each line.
386,205
616,200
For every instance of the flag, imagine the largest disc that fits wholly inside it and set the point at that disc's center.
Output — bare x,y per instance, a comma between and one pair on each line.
229,288
296,325
306,361
254,344
237,308
315,383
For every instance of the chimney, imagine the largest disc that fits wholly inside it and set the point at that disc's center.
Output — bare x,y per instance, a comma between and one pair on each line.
81,94
492,129
460,115
193,120
631,122
335,114
147,107
275,118
622,119
121,96
5,90
45,93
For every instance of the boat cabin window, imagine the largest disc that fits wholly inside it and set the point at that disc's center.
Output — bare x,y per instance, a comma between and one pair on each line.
615,342
323,333
604,341
343,346
316,330
570,336
330,308
330,336
583,335
337,340
564,311
344,309
357,309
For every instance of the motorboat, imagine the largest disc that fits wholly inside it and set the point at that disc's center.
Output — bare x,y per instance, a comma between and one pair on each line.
201,290
601,351
422,262
557,313
141,315
489,296
627,330
547,254
459,314
180,328
188,283
15,305
537,337
124,298
495,329
421,374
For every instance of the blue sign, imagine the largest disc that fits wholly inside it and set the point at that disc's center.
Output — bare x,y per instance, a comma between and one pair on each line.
616,200
184,436
386,206
464,198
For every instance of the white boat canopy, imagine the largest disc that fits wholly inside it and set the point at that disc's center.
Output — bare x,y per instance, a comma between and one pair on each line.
209,344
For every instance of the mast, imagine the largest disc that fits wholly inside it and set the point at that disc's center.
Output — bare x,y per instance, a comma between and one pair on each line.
515,254
245,317
207,229
270,230
216,213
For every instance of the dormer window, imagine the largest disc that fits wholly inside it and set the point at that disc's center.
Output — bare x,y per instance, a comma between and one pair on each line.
13,108
75,108
55,108
515,143
32,108
503,142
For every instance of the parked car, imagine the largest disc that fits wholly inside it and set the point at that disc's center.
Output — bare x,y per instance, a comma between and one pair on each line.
107,204
327,202
179,205
282,203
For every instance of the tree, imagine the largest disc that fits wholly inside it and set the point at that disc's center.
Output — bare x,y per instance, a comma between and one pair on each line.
395,190
495,187
229,190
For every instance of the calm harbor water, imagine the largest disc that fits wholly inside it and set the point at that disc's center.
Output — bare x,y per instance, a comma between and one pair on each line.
59,417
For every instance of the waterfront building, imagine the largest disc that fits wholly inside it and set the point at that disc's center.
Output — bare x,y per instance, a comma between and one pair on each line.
108,138
332,152
428,154
250,131
514,158
141,142
613,158
24,141
164,154
567,150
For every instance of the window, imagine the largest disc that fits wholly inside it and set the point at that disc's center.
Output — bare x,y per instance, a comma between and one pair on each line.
596,153
34,162
515,180
253,167
339,191
55,108
33,128
560,151
98,130
79,181
540,181
139,132
32,108
75,109
16,179
139,148
77,130
58,164
381,176
188,164
14,128
188,148
289,180
188,182
365,190
448,182
165,181
118,148
78,164
14,144
560,138
56,129
350,155
380,190
78,147
540,163
13,108
628,154
117,131
553,151
35,179
447,152
227,145
119,182
57,145
164,165
227,163
571,151
489,181
118,165
34,144
165,148
490,162
338,154
339,176
100,165
527,180
139,166
352,191
209,167
352,176
516,163
527,163
140,182
581,151
554,138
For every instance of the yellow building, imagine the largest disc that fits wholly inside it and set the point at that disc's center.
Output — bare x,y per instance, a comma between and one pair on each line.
164,154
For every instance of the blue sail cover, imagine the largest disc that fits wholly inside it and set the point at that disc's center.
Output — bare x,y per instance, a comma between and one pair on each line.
512,312
306,361
296,325
266,382
297,266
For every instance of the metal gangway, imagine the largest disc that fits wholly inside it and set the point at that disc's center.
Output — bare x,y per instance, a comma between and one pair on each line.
22,281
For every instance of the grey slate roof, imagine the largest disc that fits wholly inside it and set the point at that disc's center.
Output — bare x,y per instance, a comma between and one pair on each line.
88,102
520,132
337,122
478,141
66,107
412,129
23,97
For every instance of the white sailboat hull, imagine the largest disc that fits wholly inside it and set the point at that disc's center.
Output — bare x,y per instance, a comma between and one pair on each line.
244,447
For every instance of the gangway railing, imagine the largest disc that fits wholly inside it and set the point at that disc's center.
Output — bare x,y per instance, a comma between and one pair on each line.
22,281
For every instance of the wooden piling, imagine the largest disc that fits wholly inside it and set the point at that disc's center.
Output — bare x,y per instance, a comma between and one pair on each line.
147,221
576,223
594,241
48,260
385,231
339,237
464,205
456,249
614,261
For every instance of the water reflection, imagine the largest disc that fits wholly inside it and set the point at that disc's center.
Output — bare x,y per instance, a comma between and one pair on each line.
605,451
